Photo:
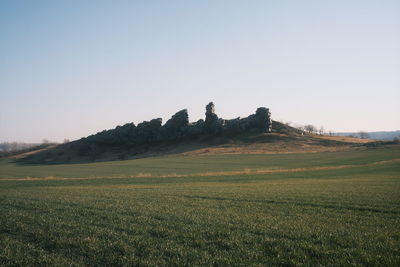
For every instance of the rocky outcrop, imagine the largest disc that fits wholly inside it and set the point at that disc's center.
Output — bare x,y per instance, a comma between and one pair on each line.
179,128
176,127
212,125
153,132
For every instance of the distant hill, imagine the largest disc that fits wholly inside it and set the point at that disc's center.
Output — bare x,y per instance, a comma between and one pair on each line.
383,135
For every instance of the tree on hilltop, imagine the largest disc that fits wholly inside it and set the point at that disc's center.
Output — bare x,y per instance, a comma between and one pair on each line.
310,128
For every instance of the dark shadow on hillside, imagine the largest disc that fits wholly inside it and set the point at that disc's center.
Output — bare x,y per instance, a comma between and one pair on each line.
62,154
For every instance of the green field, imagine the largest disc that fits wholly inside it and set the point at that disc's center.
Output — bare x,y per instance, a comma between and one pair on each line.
129,213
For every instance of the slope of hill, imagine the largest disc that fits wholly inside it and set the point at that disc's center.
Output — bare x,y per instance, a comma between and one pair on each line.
271,143
14,146
26,150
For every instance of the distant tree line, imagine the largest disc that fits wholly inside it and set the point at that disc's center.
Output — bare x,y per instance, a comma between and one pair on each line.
311,129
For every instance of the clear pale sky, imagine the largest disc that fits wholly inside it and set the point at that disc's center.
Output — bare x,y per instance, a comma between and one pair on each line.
72,68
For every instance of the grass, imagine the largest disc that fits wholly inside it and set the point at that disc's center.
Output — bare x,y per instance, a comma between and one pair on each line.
345,216
181,165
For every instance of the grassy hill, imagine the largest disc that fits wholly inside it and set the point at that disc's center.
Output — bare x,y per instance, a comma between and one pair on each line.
197,164
283,139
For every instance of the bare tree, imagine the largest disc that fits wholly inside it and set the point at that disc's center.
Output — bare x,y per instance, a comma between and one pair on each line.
321,130
310,128
299,127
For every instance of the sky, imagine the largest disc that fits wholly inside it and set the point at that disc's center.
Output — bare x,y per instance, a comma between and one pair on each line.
69,69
